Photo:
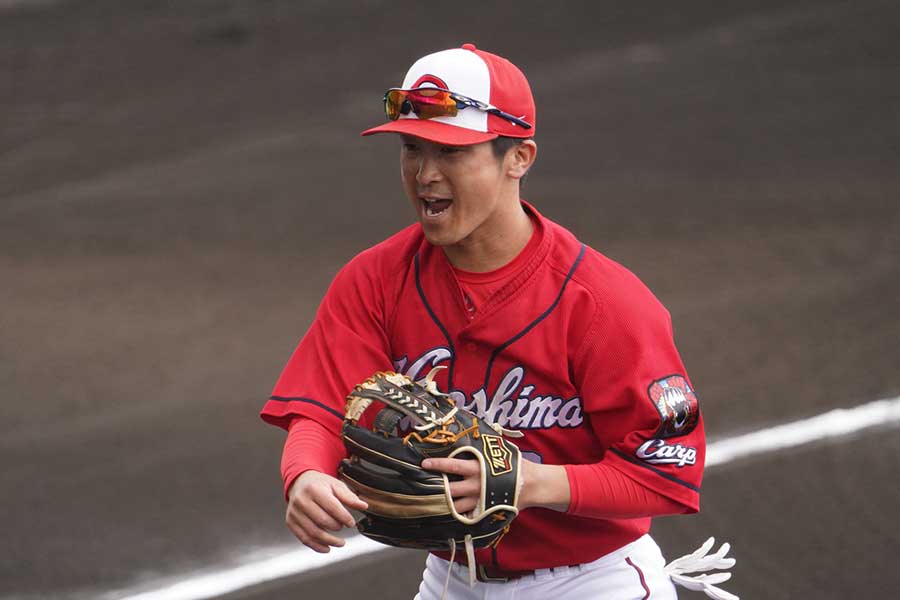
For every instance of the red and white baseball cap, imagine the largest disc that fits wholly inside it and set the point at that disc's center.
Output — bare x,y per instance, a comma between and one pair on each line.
475,74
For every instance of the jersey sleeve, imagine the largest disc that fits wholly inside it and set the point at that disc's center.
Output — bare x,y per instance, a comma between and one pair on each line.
601,491
310,446
638,397
346,343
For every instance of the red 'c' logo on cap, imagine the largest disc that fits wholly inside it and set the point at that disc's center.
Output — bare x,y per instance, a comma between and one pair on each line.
429,80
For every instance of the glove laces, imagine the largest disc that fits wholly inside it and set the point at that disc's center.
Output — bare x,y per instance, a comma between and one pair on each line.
698,562
470,558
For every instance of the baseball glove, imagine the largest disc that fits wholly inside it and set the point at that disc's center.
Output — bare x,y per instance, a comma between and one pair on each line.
409,506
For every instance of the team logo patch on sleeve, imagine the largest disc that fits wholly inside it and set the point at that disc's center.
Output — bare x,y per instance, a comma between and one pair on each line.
658,452
676,404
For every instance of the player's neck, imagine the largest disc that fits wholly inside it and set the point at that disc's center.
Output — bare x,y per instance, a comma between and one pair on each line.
495,243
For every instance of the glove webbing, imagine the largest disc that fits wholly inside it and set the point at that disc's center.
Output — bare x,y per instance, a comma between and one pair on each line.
443,435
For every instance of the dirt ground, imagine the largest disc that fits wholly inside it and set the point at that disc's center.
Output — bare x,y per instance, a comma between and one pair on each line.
179,181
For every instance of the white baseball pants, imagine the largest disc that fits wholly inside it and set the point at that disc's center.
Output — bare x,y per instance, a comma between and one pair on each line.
633,572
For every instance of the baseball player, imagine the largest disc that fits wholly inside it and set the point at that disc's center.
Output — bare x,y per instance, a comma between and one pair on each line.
537,332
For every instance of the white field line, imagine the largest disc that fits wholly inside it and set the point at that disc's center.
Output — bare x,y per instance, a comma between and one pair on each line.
834,423
293,560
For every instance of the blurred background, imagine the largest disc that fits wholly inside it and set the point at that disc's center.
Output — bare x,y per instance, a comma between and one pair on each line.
179,181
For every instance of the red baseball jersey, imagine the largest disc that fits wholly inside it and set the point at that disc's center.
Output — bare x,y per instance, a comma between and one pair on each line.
573,351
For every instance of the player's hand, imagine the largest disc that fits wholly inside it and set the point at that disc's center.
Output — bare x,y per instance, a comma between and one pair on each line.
318,504
539,485
465,493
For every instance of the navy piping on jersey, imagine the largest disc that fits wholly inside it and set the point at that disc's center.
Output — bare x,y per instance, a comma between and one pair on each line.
308,401
662,474
436,322
533,324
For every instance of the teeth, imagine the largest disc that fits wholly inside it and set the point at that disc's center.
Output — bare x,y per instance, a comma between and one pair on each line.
429,211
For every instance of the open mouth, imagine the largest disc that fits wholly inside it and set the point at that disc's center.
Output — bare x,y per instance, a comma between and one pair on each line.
434,207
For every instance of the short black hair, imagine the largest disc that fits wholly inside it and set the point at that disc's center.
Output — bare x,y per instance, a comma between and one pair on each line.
501,145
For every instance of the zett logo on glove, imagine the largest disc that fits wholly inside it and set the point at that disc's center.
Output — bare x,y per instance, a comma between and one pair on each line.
498,455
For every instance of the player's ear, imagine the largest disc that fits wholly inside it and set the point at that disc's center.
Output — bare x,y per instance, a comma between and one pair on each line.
520,158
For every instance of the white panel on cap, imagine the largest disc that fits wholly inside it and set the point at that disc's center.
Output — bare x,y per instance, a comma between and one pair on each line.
464,73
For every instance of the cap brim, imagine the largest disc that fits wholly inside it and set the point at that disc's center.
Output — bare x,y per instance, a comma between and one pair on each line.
433,131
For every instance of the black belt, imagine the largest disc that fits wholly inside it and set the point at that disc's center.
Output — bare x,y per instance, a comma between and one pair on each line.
489,574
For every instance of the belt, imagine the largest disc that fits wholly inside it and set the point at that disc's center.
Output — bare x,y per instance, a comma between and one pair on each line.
489,574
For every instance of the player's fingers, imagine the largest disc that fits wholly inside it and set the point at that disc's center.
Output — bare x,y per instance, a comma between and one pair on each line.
313,521
317,534
464,505
325,499
335,506
466,487
301,534
349,499
453,466
321,517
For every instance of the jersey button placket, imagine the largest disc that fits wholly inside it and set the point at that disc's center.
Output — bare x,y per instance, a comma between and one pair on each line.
470,307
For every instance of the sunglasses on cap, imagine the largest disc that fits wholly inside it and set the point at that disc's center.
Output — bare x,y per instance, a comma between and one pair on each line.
431,102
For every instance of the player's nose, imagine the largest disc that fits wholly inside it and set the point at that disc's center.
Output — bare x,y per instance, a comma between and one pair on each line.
428,171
